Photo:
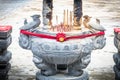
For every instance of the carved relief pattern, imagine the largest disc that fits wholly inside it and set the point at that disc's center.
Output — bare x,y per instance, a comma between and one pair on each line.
48,53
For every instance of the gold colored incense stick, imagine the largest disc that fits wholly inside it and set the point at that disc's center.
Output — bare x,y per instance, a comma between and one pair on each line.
67,17
70,18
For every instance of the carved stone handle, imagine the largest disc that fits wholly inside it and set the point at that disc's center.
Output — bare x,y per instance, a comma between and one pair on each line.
24,41
99,42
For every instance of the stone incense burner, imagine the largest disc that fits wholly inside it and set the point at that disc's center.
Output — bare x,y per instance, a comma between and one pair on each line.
60,52
61,60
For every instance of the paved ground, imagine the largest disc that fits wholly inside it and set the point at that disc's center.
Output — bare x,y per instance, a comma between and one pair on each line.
101,66
8,6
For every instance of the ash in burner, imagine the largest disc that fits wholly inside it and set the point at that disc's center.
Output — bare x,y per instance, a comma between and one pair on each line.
66,25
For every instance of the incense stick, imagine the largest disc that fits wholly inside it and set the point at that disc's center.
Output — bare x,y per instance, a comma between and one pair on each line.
67,17
64,17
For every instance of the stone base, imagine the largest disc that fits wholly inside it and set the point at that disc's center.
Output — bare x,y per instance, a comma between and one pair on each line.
116,68
4,77
117,73
84,76
5,57
4,71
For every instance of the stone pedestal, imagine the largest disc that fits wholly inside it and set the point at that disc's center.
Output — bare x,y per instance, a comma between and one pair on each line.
5,56
4,68
116,56
117,66
61,76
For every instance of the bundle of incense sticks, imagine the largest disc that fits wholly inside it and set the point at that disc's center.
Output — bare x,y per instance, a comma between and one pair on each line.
67,20
66,25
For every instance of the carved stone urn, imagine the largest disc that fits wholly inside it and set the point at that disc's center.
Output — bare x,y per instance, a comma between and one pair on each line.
61,56
116,56
63,50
